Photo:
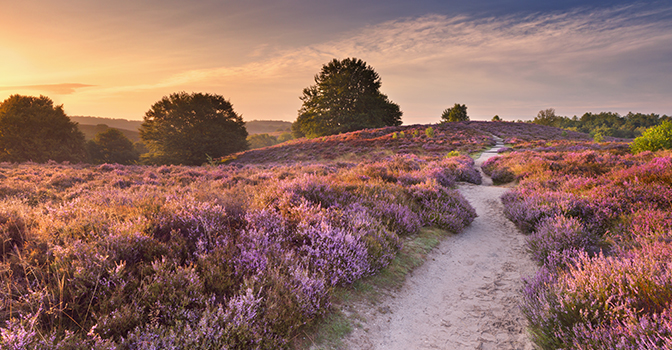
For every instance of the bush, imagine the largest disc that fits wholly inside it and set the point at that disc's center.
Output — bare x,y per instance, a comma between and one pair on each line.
653,139
596,297
559,234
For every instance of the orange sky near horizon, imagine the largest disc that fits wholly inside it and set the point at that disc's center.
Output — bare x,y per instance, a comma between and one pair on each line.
116,59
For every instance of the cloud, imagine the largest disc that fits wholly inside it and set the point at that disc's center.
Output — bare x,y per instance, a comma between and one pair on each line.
615,58
58,89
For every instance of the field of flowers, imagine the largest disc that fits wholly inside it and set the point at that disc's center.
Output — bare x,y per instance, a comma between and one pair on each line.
599,221
229,256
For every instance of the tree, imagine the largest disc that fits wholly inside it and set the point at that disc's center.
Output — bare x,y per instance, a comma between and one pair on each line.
33,129
112,146
458,113
284,137
547,117
188,128
346,97
261,140
653,139
496,118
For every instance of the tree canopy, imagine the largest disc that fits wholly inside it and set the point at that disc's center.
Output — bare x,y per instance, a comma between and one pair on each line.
33,129
188,128
457,113
611,124
346,97
112,146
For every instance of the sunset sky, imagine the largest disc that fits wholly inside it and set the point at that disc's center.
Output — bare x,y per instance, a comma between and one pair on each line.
506,57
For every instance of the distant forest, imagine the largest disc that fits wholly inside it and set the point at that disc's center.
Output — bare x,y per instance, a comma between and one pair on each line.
611,124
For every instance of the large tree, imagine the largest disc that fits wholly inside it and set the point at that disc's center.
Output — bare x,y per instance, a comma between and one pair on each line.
457,113
33,129
187,128
346,97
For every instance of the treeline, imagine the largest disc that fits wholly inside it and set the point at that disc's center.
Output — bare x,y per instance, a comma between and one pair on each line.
612,124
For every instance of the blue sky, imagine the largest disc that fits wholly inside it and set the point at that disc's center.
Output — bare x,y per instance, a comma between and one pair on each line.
510,58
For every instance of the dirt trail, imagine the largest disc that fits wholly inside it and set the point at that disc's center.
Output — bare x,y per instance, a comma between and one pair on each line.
465,296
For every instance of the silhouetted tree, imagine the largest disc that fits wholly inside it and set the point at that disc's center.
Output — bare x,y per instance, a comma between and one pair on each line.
346,97
187,128
112,146
457,113
33,129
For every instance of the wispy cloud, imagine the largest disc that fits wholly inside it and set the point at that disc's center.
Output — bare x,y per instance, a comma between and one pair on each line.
58,89
609,58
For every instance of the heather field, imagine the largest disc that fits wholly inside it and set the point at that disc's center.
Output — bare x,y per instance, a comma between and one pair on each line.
244,253
599,223
228,256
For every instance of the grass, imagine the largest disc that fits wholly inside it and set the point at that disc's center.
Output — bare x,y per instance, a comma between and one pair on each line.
328,331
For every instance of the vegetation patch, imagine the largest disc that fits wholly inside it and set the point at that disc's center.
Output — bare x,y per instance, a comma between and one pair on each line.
598,220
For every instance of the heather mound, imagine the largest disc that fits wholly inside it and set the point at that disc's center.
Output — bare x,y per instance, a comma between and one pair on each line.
427,141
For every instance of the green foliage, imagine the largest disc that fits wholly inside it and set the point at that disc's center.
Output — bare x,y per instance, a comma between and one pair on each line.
261,140
547,117
346,97
598,137
496,118
653,139
457,113
284,137
452,154
33,129
607,123
429,132
111,146
182,128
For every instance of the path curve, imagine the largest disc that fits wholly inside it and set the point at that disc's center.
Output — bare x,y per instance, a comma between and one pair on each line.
465,296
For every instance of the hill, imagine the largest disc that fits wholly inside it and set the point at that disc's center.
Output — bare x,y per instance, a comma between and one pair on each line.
91,130
372,144
267,126
127,126
132,125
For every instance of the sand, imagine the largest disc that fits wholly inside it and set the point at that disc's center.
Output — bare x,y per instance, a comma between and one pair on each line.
467,294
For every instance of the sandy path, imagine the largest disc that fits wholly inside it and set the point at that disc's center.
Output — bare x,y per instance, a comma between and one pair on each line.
465,296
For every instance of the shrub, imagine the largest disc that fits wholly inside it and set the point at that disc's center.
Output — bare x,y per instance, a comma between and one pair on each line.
653,139
602,293
559,234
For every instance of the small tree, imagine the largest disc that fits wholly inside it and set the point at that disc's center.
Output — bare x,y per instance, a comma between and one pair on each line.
496,118
458,113
33,129
187,128
112,146
346,97
547,117
653,139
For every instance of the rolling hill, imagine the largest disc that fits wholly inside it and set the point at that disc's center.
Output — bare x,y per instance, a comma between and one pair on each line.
90,126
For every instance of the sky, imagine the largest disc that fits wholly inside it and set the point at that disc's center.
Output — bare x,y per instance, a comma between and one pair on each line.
510,58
